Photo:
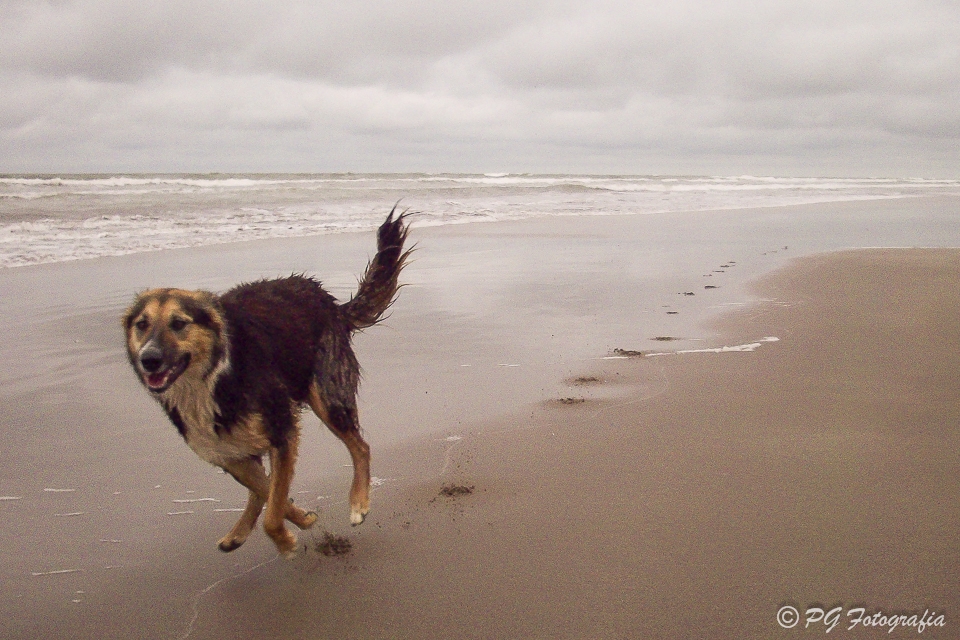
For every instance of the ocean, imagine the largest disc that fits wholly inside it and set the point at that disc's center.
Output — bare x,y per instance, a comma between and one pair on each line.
46,218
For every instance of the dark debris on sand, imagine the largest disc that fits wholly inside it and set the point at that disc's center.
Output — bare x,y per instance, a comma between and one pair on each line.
333,545
456,490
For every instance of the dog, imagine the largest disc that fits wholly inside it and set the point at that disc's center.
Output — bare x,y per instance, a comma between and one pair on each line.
233,372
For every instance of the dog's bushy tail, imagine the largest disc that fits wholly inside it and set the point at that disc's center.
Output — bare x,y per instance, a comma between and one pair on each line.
378,287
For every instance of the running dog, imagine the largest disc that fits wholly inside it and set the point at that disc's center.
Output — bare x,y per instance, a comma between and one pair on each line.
233,371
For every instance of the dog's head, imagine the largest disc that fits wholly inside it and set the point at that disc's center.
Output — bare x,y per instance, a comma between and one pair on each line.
172,333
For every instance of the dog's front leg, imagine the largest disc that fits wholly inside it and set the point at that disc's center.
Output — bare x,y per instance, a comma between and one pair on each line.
282,461
250,473
238,535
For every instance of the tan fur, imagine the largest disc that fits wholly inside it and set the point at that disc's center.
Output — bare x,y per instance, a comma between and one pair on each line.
199,341
359,453
250,473
192,395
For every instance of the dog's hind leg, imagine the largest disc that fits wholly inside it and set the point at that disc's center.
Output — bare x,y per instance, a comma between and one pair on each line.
250,473
340,415
360,454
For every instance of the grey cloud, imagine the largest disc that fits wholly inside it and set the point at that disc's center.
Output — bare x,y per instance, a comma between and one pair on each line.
109,41
123,41
693,83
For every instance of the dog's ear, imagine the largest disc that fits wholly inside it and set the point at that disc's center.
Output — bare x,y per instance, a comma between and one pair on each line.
204,308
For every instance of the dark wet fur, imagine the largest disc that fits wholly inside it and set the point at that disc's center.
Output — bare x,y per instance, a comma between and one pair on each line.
272,325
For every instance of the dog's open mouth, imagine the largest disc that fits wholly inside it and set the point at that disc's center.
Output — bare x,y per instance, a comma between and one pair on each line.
160,381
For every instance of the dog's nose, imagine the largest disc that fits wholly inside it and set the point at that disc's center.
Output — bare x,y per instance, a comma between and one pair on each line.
151,360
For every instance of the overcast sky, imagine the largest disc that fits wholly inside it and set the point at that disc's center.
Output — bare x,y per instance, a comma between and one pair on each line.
811,87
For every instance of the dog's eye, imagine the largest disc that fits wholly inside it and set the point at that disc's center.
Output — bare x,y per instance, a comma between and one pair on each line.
142,324
177,324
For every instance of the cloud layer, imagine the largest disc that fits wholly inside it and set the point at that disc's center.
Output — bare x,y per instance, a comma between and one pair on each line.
838,87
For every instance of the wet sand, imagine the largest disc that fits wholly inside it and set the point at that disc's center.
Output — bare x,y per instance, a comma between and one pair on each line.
716,488
674,496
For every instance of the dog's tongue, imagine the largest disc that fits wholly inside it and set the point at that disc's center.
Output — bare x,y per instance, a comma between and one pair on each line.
157,380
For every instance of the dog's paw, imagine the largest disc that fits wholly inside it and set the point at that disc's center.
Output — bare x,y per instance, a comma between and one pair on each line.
357,517
228,544
285,540
309,519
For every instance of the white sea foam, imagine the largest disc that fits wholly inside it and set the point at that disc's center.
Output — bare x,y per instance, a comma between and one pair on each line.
737,348
55,572
58,218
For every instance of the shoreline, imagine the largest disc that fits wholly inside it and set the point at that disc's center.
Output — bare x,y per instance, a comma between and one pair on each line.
57,219
613,513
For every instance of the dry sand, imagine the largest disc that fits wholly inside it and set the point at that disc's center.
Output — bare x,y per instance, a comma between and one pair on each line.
686,495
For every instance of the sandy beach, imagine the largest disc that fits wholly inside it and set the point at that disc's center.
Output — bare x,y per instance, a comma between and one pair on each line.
581,428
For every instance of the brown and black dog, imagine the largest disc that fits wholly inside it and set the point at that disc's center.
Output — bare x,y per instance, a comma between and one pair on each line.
233,372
